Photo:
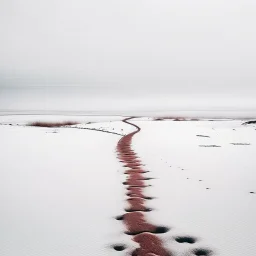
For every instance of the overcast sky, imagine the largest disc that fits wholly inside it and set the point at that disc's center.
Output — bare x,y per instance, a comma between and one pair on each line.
164,45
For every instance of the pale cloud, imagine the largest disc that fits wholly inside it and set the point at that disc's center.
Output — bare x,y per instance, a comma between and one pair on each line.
174,45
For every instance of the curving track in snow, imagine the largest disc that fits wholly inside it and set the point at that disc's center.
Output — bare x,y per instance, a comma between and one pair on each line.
135,221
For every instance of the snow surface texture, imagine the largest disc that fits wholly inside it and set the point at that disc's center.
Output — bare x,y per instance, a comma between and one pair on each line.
203,192
62,187
60,191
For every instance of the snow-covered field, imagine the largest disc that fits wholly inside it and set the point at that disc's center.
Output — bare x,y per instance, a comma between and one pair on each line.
203,192
62,187
60,190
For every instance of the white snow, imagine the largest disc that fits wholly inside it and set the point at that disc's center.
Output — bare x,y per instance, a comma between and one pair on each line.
221,217
62,187
60,192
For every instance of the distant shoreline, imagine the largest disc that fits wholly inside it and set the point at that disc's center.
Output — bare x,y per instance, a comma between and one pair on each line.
214,114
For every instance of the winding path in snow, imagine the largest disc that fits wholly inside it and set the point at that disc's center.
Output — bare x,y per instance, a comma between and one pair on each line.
142,232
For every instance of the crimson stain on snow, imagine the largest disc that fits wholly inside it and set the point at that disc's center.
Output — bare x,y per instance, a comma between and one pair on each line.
143,232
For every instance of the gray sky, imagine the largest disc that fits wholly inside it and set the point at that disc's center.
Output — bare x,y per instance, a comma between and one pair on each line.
200,46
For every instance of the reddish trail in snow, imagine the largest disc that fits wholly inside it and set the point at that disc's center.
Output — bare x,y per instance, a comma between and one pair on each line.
143,232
